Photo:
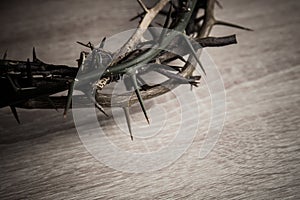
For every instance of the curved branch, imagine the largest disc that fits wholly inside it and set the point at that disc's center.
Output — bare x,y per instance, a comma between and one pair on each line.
136,37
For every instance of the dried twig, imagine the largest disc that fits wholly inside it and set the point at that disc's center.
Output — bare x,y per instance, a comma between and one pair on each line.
136,37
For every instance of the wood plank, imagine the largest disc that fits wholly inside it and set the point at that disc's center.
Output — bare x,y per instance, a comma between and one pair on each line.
256,157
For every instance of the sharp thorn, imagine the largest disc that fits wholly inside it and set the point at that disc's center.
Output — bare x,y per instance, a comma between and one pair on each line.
232,25
80,60
4,55
88,45
100,108
93,100
137,92
34,58
81,43
126,112
69,98
14,111
139,15
102,43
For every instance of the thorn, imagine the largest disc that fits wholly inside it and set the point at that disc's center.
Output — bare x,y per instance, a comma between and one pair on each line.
100,108
139,15
81,43
232,25
126,111
88,45
4,55
102,43
28,70
194,53
69,98
143,6
93,100
14,111
165,70
80,60
34,58
137,92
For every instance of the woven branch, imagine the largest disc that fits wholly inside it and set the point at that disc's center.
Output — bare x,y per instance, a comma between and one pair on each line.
31,84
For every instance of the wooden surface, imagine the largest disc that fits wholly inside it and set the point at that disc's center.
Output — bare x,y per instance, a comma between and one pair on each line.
256,157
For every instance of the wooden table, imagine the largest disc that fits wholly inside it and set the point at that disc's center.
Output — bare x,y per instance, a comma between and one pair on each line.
256,157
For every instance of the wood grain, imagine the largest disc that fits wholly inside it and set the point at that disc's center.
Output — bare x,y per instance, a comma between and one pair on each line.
257,156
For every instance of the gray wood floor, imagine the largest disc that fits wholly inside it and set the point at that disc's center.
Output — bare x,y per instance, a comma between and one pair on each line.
256,157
